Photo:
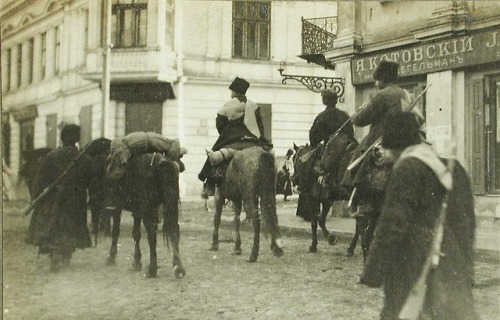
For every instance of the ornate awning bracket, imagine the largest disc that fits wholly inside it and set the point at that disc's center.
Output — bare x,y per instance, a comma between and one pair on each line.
317,84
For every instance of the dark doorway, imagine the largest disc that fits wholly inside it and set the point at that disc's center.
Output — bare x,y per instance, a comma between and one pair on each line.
143,117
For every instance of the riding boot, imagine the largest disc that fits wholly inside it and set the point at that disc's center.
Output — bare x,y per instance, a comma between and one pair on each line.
208,189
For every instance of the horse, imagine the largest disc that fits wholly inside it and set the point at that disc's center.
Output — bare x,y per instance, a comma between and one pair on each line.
323,188
150,183
250,177
371,178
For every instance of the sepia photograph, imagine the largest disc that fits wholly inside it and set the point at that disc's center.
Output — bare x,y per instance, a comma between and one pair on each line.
250,159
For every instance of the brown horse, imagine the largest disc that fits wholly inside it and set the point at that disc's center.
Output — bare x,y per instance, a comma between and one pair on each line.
250,177
322,188
150,183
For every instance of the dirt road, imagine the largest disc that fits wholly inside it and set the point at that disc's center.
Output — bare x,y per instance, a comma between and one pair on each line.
218,285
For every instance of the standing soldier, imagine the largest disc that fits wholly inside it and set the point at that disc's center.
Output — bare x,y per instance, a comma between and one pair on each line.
421,192
61,218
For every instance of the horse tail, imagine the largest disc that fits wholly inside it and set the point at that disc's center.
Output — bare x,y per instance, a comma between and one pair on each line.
267,192
169,182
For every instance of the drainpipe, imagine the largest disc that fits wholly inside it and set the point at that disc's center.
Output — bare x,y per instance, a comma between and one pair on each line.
106,74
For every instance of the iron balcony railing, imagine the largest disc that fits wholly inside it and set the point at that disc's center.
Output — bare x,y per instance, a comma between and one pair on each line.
318,34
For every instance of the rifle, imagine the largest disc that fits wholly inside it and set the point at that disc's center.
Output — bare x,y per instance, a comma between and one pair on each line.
336,133
356,162
51,186
414,303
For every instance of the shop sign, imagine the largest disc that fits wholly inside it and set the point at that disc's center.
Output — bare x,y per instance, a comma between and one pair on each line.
447,54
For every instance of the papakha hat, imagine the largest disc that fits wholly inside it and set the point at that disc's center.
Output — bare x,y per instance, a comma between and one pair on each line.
239,85
386,71
70,134
289,152
401,130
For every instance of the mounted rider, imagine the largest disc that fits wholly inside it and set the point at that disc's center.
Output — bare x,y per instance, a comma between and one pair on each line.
239,123
326,123
389,99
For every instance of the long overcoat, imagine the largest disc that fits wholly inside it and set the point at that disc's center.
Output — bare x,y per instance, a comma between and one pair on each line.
61,219
374,112
326,123
403,236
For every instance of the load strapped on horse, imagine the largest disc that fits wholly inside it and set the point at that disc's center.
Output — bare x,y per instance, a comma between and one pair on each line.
136,143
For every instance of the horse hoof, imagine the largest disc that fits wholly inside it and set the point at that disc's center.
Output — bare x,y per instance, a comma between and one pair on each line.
278,252
137,266
313,249
237,252
110,261
252,259
179,272
349,254
214,247
332,240
151,274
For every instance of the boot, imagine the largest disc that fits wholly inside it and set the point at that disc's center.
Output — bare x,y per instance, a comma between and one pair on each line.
208,189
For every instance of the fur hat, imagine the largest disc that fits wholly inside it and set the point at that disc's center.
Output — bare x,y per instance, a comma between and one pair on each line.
70,134
239,85
289,152
401,130
386,71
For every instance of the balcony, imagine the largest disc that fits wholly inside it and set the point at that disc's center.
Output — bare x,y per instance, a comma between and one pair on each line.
137,64
318,35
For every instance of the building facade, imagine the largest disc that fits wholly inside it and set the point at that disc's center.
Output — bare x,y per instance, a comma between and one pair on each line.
451,46
171,63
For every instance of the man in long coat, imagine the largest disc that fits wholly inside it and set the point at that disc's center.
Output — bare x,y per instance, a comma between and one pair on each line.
61,218
417,187
239,123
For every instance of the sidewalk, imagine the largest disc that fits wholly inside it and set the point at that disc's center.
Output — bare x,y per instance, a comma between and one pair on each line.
487,231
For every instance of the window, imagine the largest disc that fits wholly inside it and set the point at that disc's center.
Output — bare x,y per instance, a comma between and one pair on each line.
8,57
57,55
19,64
31,61
251,34
128,23
43,48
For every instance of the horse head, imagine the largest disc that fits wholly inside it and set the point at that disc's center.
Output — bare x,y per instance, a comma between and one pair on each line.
299,159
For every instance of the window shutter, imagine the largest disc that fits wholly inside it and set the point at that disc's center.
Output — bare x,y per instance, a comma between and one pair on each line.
478,142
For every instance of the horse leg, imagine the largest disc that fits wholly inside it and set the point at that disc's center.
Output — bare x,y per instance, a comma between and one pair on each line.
171,228
136,234
150,223
325,207
252,207
354,241
115,233
313,206
237,213
219,203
